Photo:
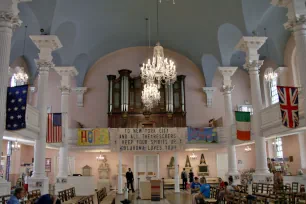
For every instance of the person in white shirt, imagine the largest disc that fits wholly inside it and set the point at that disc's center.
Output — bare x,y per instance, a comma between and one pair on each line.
26,179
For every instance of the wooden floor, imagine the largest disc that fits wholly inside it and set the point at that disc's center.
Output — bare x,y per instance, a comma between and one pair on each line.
171,198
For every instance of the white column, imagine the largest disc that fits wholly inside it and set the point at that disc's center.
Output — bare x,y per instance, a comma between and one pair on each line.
9,20
297,23
177,174
46,44
119,191
66,73
227,89
250,45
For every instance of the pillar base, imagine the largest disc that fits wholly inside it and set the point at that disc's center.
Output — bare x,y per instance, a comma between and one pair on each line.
236,177
263,178
5,187
41,184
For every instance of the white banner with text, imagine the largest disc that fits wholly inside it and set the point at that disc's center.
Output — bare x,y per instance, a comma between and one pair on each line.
147,139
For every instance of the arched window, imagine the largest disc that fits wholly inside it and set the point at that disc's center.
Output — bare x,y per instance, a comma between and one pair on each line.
273,91
278,145
19,78
270,87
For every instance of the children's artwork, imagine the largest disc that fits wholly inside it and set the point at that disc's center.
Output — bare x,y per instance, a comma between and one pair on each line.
202,135
91,137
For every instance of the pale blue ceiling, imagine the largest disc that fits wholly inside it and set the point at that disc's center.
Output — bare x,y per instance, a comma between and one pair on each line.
206,31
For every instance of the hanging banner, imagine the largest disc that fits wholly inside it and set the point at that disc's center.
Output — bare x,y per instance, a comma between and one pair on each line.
202,135
91,137
147,139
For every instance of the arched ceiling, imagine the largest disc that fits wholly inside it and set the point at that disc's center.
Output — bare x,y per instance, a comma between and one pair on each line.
205,31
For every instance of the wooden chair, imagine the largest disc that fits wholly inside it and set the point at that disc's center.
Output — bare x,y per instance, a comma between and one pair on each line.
295,187
4,199
62,196
86,200
101,194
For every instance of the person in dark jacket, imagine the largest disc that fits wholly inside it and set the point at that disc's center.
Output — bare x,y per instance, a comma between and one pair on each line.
130,179
184,178
191,176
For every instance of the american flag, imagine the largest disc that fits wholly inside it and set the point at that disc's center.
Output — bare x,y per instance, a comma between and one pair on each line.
289,105
54,134
16,107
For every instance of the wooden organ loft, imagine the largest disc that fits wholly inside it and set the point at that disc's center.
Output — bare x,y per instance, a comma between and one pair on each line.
125,108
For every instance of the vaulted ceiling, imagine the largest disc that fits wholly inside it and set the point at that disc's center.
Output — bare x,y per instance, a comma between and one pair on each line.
205,31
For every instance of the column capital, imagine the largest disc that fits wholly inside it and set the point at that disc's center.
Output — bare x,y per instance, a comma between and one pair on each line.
227,89
209,95
46,44
253,66
227,73
251,45
66,71
296,12
80,91
111,77
44,66
9,13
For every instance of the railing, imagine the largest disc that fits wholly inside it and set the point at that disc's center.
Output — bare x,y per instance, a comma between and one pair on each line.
271,120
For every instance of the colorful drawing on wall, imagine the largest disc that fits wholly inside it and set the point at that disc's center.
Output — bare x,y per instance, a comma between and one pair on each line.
91,137
202,135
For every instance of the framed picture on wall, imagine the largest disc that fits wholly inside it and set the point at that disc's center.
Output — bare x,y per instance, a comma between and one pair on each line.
48,164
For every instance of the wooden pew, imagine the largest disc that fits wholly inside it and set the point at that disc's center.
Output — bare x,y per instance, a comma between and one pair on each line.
101,194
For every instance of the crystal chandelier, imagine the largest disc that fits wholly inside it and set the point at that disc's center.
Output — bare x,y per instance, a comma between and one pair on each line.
193,156
21,76
159,69
270,75
100,157
16,146
150,95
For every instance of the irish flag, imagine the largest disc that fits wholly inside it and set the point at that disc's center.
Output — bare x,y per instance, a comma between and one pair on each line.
243,125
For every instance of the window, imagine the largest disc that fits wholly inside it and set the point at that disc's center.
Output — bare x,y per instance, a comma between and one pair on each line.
19,78
279,147
13,81
273,91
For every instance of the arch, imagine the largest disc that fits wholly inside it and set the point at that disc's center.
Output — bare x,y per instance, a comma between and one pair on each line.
209,67
228,37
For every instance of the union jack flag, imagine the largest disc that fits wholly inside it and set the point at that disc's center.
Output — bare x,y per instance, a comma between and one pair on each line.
289,105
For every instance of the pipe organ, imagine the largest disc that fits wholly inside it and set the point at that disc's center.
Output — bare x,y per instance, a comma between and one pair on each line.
125,109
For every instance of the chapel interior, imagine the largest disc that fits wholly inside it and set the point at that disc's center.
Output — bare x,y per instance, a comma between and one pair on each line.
92,92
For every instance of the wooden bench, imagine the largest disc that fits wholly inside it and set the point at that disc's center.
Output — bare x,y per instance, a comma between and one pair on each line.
68,196
101,194
110,198
86,200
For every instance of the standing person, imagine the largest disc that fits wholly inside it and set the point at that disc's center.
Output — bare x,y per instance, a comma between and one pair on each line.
130,179
18,194
25,185
184,178
191,176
